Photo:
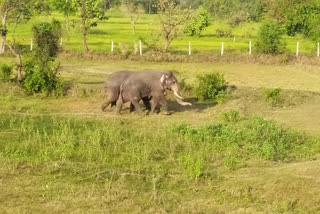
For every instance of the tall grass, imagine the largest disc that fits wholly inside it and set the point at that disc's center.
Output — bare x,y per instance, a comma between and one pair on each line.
116,145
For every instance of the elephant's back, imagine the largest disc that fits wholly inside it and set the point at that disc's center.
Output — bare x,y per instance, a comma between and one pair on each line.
116,79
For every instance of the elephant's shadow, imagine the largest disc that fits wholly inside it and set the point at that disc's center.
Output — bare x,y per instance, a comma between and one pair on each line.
196,106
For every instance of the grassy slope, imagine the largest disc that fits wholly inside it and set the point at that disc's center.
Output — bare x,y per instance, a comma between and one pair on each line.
118,29
89,161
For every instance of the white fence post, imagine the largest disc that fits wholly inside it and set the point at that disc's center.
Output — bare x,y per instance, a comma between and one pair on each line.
249,47
140,47
31,45
61,42
112,47
234,39
222,48
318,50
189,48
297,51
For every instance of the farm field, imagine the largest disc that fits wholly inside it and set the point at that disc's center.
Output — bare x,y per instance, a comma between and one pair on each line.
118,29
245,155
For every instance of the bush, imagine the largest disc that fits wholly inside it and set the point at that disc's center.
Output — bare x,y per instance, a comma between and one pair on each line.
42,79
210,86
270,38
224,32
6,71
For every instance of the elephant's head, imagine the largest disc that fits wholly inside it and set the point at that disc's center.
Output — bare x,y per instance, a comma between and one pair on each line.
169,81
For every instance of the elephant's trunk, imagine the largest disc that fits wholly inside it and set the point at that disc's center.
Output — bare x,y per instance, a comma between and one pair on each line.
182,102
179,98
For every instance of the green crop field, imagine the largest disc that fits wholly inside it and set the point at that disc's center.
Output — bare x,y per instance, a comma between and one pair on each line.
118,29
255,151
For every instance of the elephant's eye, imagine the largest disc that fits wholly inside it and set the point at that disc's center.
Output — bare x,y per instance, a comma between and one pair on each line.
174,81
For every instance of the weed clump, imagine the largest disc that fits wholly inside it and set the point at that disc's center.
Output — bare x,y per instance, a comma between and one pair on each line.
273,95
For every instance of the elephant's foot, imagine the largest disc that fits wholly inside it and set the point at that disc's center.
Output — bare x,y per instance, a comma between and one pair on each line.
103,107
166,113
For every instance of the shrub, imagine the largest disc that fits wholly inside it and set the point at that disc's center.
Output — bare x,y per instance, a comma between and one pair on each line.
6,71
270,38
224,32
210,86
42,78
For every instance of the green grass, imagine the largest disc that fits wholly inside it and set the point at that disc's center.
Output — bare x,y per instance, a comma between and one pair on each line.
118,29
87,164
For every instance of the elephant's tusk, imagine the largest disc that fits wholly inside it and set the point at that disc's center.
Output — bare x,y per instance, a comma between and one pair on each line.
177,95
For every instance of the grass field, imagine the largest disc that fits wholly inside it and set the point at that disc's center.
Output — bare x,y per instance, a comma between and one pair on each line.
245,155
118,29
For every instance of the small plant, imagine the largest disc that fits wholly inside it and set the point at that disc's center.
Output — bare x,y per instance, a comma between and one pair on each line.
6,71
231,162
230,116
124,49
273,95
209,86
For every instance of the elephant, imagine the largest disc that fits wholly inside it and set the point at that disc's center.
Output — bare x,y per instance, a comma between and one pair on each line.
149,84
112,88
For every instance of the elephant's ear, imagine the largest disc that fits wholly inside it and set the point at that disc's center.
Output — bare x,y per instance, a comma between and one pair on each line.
163,80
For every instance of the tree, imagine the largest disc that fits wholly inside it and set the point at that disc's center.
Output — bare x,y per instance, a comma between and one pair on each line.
171,18
90,12
198,22
67,7
133,11
270,38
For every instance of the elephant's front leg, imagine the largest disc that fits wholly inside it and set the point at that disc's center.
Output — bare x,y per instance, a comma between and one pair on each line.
164,104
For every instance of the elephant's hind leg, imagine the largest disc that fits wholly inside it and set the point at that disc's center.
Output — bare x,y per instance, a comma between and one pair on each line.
137,106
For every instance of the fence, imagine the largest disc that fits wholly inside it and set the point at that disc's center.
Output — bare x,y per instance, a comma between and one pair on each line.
222,50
